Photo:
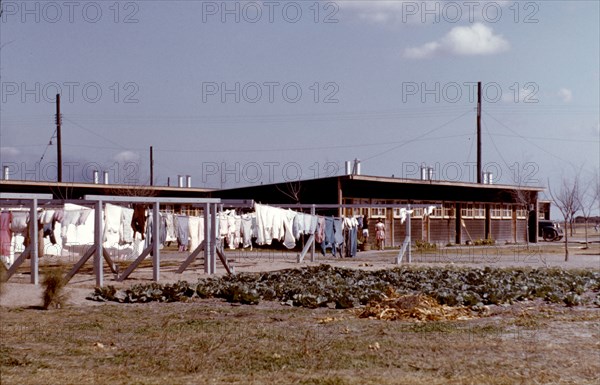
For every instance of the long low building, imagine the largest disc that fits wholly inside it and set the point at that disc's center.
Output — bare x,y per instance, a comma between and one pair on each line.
463,213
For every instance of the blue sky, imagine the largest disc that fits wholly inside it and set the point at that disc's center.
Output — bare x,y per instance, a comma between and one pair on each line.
237,93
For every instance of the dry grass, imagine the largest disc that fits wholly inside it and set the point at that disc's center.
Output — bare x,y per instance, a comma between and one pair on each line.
54,284
213,342
413,306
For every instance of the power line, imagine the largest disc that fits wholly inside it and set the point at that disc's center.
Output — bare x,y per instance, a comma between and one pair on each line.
532,143
94,133
48,145
418,137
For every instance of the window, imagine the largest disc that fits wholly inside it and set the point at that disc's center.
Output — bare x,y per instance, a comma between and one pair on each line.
442,210
521,213
496,212
416,213
357,211
501,212
378,212
473,211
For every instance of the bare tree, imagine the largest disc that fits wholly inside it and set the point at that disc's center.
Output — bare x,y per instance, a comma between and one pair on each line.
526,200
565,198
292,190
587,198
523,177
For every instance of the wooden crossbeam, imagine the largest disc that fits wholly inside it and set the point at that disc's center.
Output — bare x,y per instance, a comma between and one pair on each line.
135,264
18,262
309,243
87,255
191,257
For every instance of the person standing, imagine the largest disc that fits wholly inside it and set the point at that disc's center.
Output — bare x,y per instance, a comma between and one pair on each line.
380,234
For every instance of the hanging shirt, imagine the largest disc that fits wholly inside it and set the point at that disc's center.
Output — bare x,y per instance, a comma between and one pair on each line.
138,220
183,231
5,233
289,240
247,231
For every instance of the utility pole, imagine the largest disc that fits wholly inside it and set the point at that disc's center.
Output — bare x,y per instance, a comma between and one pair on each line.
479,132
58,140
151,167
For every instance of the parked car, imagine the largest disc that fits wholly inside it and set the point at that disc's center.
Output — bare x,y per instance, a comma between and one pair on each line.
550,230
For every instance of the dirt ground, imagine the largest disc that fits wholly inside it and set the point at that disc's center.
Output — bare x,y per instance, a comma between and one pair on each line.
213,342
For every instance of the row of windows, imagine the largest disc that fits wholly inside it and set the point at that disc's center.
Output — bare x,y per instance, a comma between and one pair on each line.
476,211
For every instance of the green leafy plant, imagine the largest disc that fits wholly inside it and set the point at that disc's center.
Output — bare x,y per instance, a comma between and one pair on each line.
484,242
425,246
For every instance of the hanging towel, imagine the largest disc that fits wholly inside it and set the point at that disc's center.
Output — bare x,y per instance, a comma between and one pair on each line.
126,231
112,224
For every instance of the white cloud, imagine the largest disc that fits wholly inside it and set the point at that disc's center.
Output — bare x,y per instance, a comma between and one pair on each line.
565,94
477,39
9,151
127,156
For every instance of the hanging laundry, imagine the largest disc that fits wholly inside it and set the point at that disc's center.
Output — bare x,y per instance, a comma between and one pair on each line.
162,230
428,210
183,231
403,213
263,224
48,229
320,230
138,221
59,215
19,221
247,221
231,230
298,225
289,240
125,229
112,224
70,218
223,225
5,233
47,216
171,235
329,237
351,226
83,216
274,223
238,231
194,230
